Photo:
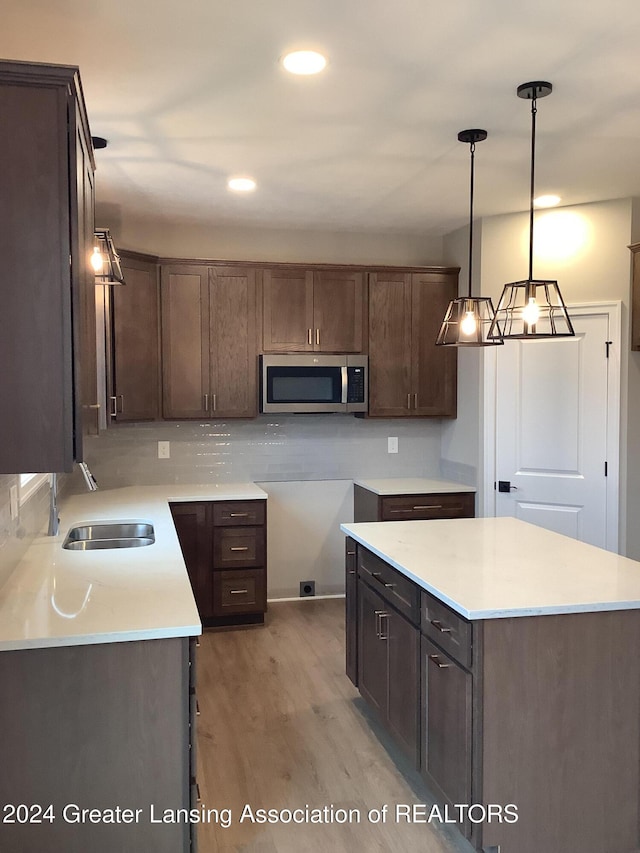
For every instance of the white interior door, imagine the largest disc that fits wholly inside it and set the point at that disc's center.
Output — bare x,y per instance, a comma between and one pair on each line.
553,430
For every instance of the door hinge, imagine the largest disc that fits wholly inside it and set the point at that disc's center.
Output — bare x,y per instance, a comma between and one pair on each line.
605,469
494,485
607,345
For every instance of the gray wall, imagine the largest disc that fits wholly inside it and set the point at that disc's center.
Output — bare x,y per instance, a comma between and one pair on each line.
17,534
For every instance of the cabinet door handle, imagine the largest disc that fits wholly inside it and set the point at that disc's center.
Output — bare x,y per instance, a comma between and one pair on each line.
206,402
318,337
198,793
94,406
197,709
238,515
215,405
114,407
351,572
408,401
378,613
415,401
239,548
309,341
435,659
384,615
238,591
439,626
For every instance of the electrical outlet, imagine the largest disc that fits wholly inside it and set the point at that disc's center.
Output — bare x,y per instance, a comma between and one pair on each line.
164,450
307,588
392,444
13,501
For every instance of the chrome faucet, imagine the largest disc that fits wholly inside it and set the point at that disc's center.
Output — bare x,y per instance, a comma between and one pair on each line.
54,519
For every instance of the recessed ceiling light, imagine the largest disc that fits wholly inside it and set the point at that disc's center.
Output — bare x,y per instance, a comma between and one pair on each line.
547,200
241,185
304,62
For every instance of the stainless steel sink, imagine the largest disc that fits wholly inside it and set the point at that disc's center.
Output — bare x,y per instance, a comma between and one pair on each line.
93,537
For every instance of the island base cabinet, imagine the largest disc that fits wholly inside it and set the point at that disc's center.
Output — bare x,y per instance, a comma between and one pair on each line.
388,650
96,727
446,724
351,611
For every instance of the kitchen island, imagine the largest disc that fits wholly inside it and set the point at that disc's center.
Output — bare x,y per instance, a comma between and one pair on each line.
97,666
503,659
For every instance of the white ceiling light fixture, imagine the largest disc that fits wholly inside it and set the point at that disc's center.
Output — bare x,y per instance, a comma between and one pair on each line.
304,62
241,185
533,308
547,201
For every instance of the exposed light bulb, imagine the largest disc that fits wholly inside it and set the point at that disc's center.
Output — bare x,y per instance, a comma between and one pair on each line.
531,312
304,62
96,260
468,325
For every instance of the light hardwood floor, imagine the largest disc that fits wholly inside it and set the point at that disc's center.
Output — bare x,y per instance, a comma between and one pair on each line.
281,727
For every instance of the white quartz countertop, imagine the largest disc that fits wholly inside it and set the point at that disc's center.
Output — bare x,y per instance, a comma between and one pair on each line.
57,597
412,486
488,568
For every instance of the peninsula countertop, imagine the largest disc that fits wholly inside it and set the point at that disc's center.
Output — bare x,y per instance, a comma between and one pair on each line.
388,486
57,597
491,568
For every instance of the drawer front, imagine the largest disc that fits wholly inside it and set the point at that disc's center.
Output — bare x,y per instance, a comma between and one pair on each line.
407,507
238,547
399,591
452,633
239,592
235,513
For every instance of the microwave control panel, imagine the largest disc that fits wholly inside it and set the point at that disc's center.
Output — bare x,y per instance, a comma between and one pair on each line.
355,384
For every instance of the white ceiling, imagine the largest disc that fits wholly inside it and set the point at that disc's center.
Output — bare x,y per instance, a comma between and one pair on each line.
189,93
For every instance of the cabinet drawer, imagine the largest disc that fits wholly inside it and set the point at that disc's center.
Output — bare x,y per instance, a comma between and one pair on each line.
234,513
238,547
399,591
407,507
453,633
239,592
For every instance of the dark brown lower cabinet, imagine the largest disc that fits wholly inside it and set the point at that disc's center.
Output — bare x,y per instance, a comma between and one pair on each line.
388,650
351,610
533,718
97,727
224,545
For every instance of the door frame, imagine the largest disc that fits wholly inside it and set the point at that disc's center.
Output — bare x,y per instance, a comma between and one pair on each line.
489,475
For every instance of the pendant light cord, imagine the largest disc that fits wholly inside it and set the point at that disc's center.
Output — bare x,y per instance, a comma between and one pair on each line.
533,161
472,148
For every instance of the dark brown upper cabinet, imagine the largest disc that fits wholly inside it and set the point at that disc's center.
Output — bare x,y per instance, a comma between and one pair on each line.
209,362
313,311
408,375
48,383
135,309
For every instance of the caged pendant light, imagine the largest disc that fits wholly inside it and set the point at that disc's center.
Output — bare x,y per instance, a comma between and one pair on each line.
468,318
533,308
105,260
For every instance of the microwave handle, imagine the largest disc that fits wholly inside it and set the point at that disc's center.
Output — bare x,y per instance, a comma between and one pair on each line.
345,383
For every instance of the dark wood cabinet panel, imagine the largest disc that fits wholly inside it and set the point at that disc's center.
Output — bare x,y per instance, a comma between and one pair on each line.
338,307
234,365
408,375
136,342
98,726
194,535
389,344
434,369
351,610
287,310
239,593
373,673
404,684
238,547
46,230
446,721
185,341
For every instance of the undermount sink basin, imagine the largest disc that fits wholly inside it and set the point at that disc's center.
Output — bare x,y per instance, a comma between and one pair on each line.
93,537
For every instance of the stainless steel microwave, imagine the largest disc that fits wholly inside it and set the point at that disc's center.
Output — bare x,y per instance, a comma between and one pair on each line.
313,383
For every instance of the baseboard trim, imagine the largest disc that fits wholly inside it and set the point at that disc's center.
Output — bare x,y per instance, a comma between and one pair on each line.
305,598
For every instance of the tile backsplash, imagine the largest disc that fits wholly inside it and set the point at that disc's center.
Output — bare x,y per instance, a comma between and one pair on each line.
267,449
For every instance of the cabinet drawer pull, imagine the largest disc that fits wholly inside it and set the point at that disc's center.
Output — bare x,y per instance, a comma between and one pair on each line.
435,659
239,548
389,585
351,553
351,572
438,625
197,644
428,506
375,574
238,591
238,515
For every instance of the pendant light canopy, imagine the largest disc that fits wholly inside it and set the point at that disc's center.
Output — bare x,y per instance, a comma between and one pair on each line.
533,308
105,260
468,319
